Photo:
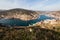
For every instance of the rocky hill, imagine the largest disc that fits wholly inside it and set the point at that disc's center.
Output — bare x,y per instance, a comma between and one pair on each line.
24,14
55,14
19,13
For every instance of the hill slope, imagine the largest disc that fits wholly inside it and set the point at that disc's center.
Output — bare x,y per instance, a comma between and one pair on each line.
19,13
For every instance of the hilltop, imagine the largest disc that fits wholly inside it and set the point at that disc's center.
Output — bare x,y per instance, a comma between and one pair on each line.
25,14
19,13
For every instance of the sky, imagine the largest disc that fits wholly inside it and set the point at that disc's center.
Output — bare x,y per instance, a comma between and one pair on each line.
44,5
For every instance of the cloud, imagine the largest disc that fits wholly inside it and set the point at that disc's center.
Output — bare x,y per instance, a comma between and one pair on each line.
38,5
52,7
47,5
9,4
31,4
5,4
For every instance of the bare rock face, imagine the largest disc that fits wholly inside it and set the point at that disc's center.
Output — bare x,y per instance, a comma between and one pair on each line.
19,13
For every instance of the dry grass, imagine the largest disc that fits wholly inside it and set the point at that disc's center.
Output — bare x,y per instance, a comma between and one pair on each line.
25,34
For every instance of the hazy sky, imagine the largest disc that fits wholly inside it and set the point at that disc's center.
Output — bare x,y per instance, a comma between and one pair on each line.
31,4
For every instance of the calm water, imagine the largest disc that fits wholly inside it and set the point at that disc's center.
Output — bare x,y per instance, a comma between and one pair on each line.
16,22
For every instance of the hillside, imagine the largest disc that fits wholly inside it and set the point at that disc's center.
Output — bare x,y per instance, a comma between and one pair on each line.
55,14
26,34
19,13
24,14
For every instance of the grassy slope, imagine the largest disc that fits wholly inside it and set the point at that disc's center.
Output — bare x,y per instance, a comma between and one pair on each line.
25,34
